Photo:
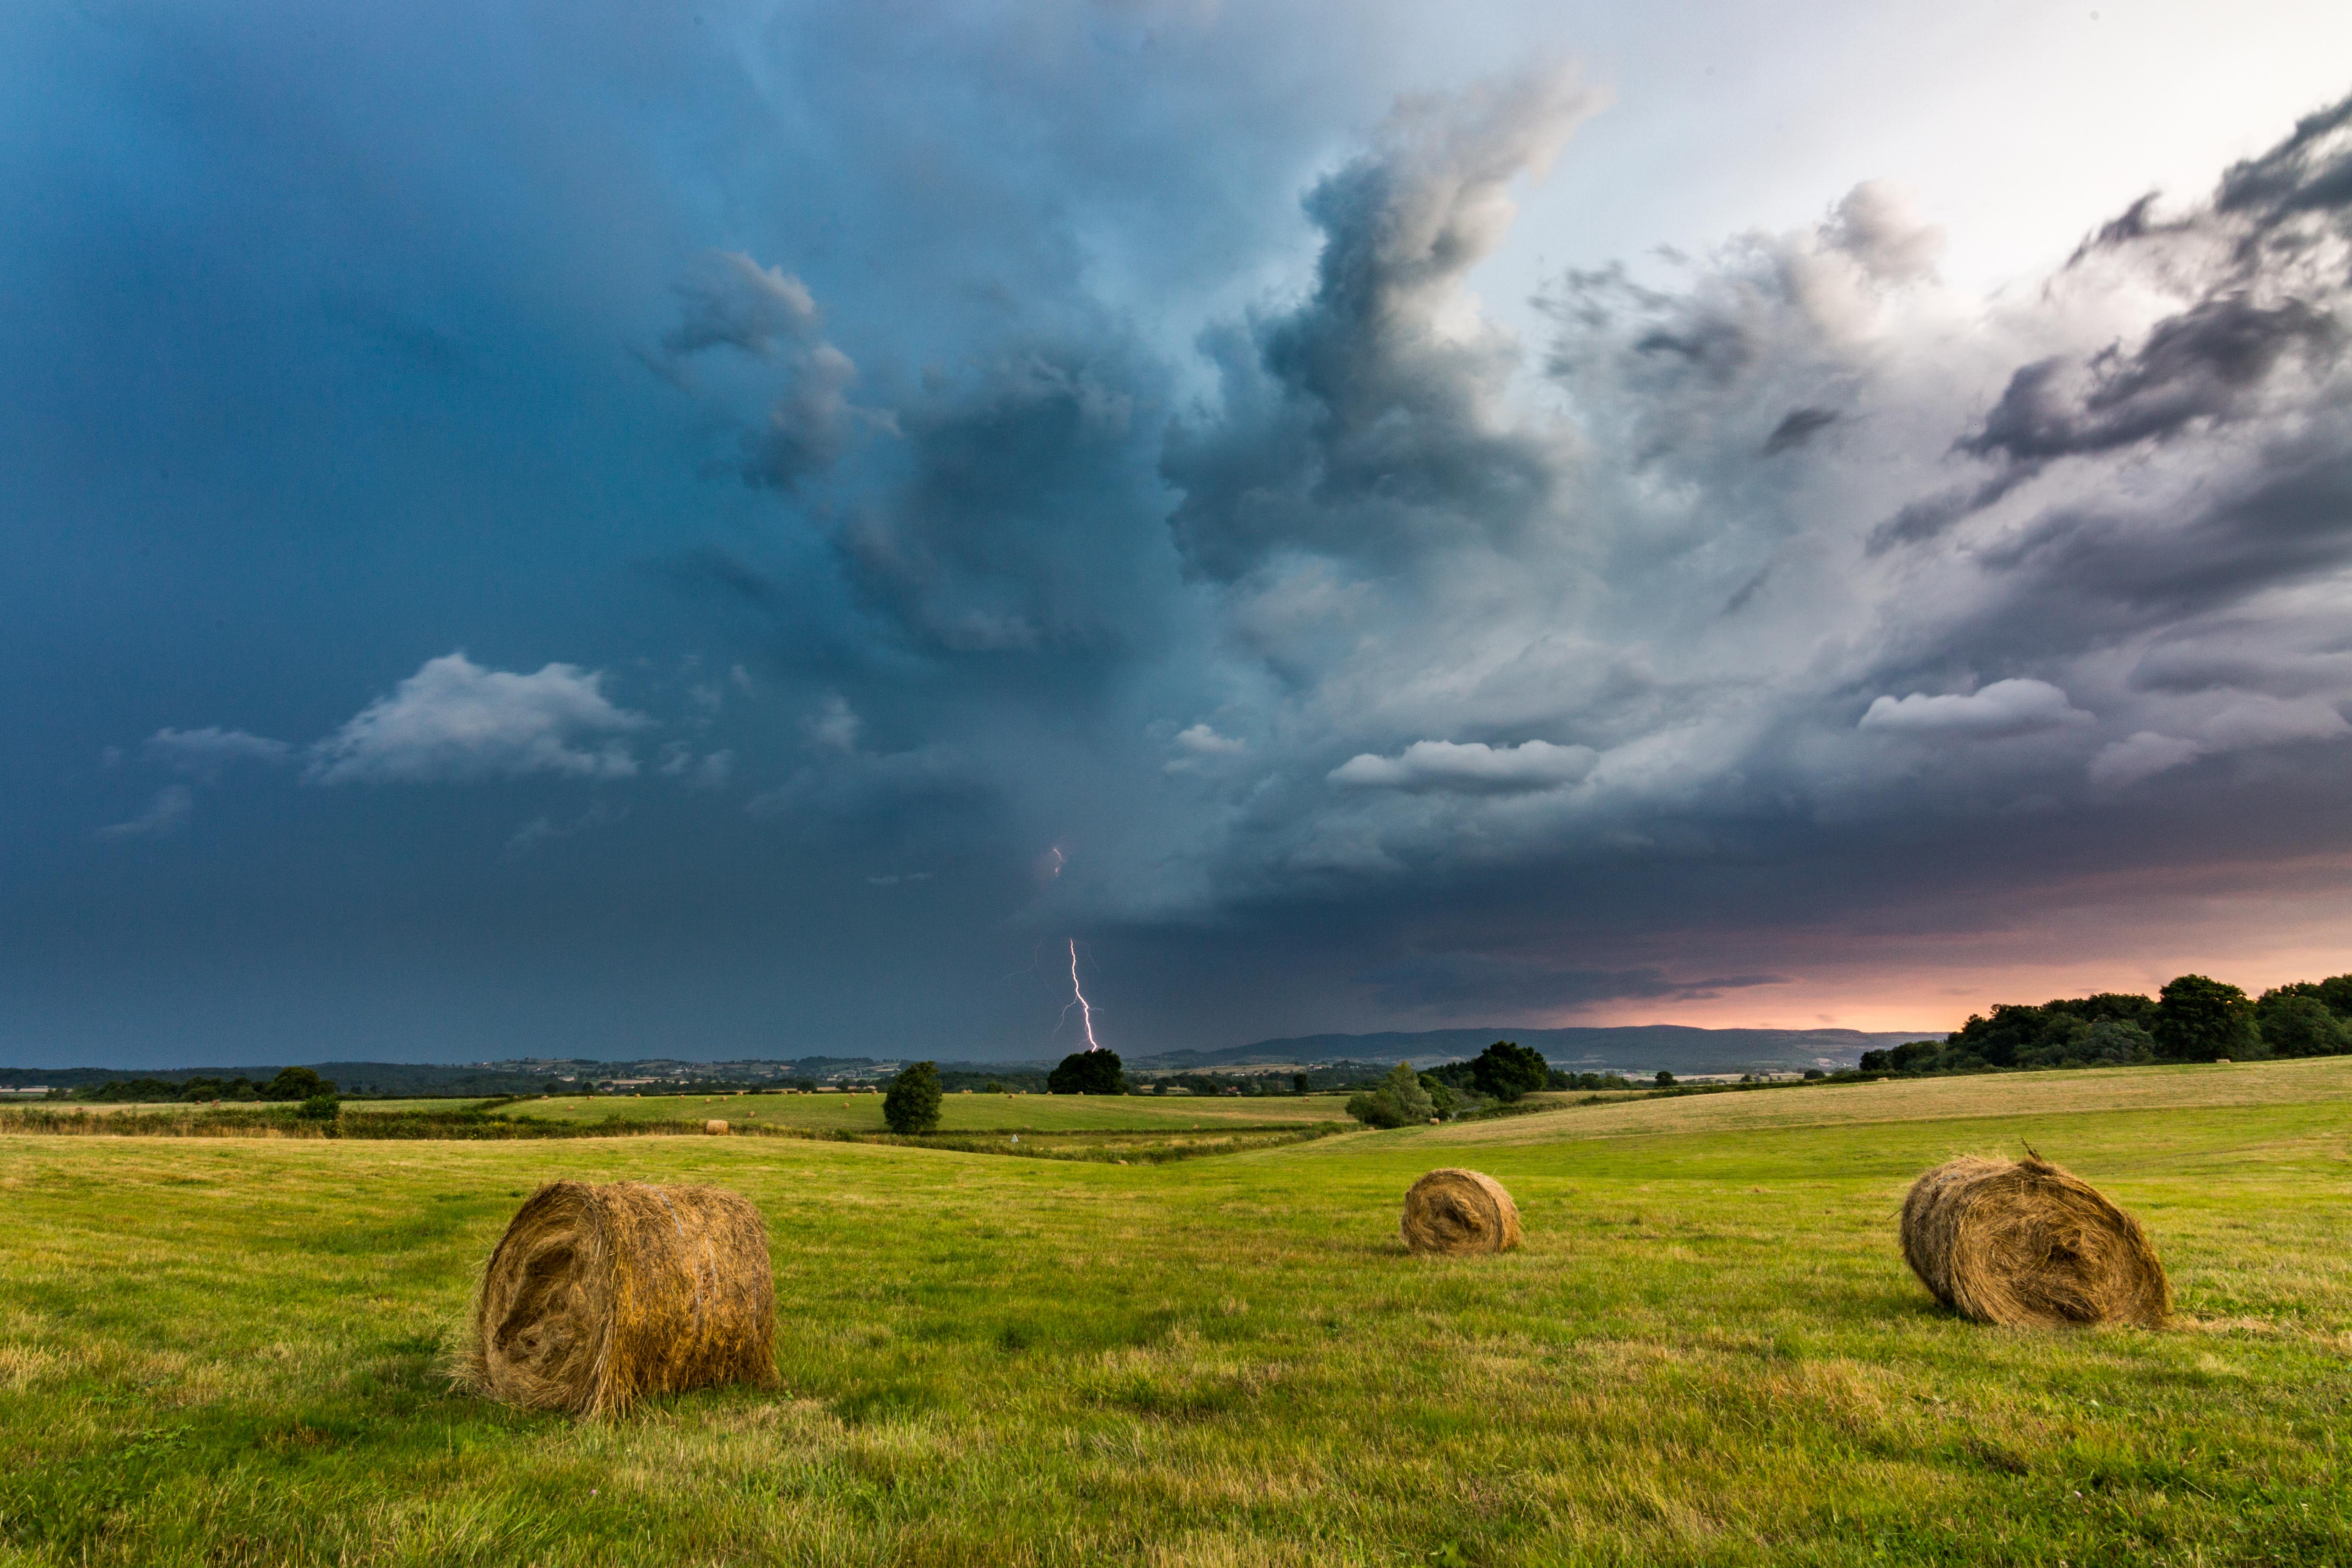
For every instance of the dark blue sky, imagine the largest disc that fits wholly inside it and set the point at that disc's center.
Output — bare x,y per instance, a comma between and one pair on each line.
603,530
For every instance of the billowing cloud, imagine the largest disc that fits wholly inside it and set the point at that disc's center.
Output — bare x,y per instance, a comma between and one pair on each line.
2003,709
1473,768
733,302
453,722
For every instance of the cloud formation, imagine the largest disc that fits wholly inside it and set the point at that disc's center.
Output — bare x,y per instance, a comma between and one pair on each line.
453,722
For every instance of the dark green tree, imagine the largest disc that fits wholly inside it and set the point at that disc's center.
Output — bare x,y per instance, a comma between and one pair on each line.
912,1104
2296,1023
1664,1080
2198,1019
1087,1072
1400,1100
320,1108
297,1083
1441,1098
1508,1071
1298,1083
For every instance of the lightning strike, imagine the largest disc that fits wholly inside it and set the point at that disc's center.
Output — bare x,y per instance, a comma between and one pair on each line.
1086,1012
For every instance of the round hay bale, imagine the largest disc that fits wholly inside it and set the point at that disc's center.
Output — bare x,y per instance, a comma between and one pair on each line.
598,1296
2028,1245
1451,1211
718,1128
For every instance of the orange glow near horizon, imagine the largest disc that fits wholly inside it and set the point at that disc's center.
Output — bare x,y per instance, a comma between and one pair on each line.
2117,936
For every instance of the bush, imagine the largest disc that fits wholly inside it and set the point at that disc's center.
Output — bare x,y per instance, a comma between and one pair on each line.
2198,1019
1443,1099
1399,1102
1087,1072
1508,1071
320,1108
912,1106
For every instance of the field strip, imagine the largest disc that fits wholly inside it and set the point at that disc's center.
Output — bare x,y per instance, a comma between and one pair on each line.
2317,1080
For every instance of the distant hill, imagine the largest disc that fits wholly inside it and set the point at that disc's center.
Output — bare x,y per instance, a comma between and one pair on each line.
1644,1048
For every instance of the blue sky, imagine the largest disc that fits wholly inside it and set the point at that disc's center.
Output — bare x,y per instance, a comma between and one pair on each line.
743,529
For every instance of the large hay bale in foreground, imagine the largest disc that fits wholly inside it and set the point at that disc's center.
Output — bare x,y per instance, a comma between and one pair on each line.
1452,1210
2028,1245
597,1296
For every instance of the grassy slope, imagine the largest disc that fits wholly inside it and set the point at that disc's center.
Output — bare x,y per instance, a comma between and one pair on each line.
1707,1353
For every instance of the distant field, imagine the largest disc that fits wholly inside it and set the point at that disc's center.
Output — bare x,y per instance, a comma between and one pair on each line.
230,1352
958,1112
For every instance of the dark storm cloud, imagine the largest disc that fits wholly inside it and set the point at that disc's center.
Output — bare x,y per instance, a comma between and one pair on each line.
1345,655
1362,423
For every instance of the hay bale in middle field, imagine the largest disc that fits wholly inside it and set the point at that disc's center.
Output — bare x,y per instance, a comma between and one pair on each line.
2029,1245
1454,1211
597,1296
716,1127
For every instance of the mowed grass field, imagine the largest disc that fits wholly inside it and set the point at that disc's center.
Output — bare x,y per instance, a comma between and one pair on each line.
231,1350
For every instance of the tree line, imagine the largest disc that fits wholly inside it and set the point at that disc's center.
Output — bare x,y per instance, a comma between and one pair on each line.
2193,1019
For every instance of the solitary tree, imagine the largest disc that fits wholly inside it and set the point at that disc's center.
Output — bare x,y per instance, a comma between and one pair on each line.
1087,1072
297,1083
2198,1019
1509,1071
912,1106
1665,1080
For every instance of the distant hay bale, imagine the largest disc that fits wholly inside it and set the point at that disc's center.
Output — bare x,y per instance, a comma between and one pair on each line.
716,1127
1453,1211
2028,1245
598,1296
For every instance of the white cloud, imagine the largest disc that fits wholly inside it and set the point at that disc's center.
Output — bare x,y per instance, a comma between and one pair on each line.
2269,721
1200,745
2247,723
2002,708
1475,768
2143,756
203,754
456,722
167,814
836,725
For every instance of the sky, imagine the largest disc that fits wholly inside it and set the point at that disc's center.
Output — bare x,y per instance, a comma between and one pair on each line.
752,530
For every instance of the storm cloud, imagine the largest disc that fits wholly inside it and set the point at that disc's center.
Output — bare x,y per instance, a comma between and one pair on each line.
755,547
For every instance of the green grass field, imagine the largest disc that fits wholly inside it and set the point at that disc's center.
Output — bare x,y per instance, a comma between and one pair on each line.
230,1351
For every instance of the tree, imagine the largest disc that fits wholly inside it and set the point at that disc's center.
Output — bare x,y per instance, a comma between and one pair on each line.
320,1108
2198,1019
1087,1072
297,1083
912,1106
1298,1083
1441,1098
1665,1080
1400,1100
2296,1023
1508,1071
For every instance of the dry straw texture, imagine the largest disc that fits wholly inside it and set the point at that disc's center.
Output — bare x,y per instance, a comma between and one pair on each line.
1453,1210
2028,1245
598,1296
715,1127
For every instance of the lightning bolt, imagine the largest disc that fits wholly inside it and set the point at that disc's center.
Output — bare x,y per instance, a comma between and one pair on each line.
1086,1012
